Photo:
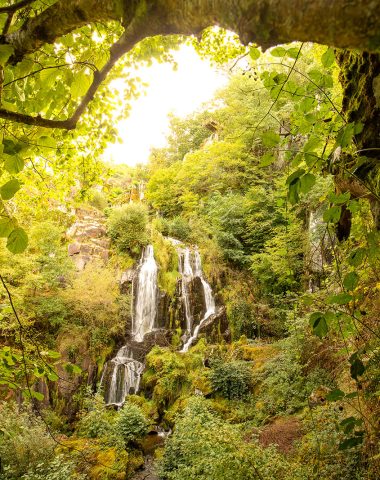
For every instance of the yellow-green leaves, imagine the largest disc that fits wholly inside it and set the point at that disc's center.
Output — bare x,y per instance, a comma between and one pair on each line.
332,214
5,52
254,53
17,240
299,182
13,163
80,85
6,226
9,189
328,58
270,139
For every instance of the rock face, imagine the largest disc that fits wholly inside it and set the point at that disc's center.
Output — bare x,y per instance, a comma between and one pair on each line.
88,238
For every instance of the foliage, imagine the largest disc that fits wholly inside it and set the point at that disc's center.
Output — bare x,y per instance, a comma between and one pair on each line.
131,423
27,450
232,380
127,227
96,421
92,296
204,447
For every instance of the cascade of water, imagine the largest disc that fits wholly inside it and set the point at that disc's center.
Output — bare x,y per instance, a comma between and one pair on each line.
121,375
190,267
209,301
146,296
184,267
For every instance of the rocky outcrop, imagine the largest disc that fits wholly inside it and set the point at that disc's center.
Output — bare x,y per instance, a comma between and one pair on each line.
215,327
88,238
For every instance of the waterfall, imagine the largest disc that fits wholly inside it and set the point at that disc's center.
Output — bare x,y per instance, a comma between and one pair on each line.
146,296
209,301
121,375
184,268
190,267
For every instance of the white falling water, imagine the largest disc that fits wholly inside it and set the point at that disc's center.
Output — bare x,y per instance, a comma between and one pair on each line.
189,272
146,296
121,375
186,271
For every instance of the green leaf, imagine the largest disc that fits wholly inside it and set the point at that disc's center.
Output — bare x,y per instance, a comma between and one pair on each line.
9,189
307,182
340,198
351,280
294,189
270,139
318,324
267,160
80,85
328,58
13,163
52,376
254,53
72,368
352,442
6,226
5,52
339,299
17,240
345,136
278,52
37,395
295,175
335,395
53,354
312,144
332,214
307,104
293,52
357,256
357,366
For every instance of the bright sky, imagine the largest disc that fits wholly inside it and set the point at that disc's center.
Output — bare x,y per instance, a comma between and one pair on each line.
180,91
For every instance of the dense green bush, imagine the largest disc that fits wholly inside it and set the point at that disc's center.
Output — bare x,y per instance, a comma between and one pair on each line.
231,380
131,423
127,226
176,227
204,447
96,421
284,385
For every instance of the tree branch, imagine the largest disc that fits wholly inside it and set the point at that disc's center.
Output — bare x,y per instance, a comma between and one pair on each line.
16,6
125,43
267,22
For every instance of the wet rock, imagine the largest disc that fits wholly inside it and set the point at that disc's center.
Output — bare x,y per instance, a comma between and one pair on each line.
216,327
126,280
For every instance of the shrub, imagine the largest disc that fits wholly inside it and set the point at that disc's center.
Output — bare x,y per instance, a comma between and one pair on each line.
97,199
204,447
241,317
179,228
231,380
127,227
131,423
27,451
96,421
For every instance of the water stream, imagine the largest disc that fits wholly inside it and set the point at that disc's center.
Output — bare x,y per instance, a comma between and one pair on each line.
189,274
121,375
